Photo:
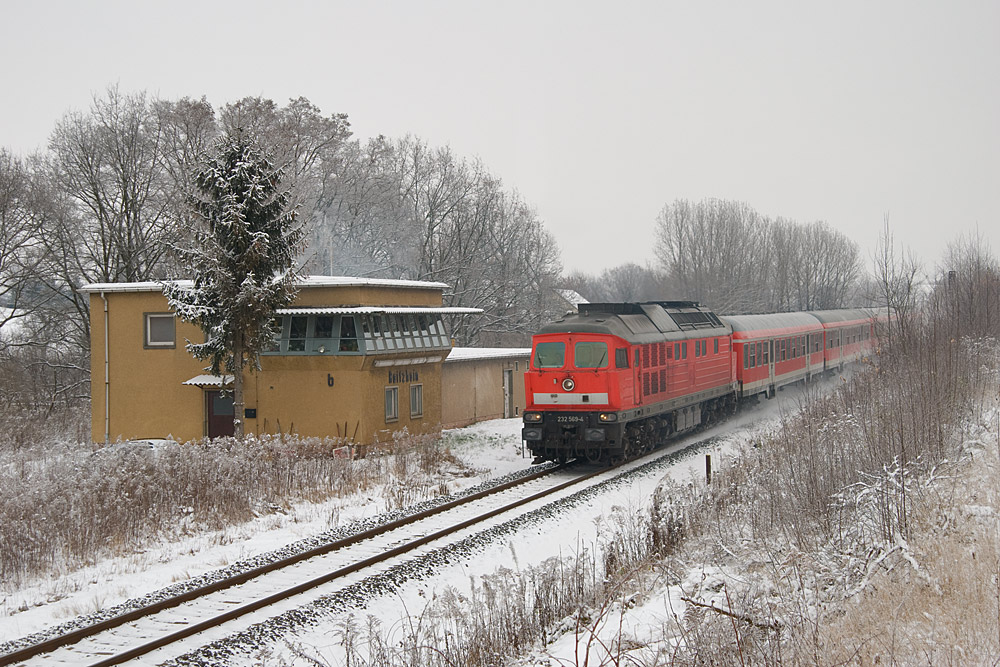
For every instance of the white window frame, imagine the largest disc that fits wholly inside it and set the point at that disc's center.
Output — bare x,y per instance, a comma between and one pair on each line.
391,404
147,340
416,400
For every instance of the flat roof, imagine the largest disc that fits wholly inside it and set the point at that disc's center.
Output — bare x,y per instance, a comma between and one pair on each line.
484,353
304,281
379,310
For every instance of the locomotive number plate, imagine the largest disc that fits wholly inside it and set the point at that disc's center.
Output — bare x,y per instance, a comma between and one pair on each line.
569,419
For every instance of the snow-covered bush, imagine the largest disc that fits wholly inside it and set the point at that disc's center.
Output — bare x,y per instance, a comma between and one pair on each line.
74,506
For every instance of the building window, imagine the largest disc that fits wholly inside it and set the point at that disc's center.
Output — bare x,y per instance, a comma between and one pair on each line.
347,334
391,404
297,334
160,330
416,400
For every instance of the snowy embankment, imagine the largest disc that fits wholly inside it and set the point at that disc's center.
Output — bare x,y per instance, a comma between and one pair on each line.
56,598
491,449
573,532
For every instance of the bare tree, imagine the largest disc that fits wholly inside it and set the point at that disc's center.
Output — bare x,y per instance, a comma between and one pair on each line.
109,163
307,145
972,278
20,243
403,209
896,280
724,254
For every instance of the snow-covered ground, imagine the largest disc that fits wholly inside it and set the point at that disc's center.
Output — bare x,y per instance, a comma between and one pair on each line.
494,448
576,528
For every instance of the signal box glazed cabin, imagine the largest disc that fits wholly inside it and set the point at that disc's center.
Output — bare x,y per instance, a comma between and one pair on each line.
355,358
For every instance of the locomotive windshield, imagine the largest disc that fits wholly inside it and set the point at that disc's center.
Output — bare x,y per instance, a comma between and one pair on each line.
589,354
550,355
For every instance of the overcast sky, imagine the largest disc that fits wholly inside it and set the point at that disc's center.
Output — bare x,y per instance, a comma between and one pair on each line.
598,113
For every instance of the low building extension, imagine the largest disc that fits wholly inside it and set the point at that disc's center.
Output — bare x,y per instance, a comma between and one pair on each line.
483,383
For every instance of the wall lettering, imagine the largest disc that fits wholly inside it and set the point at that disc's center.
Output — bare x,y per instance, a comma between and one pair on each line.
403,377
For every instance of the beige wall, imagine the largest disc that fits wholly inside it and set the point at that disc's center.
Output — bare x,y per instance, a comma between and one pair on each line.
290,393
472,390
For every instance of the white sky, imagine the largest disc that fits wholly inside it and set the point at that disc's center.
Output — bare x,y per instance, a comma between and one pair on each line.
597,113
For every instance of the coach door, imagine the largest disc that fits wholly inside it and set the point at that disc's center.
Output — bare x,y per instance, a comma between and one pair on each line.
770,368
220,413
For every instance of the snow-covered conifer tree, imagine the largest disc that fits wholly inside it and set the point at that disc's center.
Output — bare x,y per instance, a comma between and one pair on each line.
243,261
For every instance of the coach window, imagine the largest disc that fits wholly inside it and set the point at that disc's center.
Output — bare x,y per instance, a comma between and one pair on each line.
716,346
160,330
684,350
550,355
590,354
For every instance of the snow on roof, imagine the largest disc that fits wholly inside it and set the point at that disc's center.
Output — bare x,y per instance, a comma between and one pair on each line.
209,381
483,353
371,310
304,281
571,296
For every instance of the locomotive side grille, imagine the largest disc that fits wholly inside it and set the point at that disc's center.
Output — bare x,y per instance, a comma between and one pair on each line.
645,383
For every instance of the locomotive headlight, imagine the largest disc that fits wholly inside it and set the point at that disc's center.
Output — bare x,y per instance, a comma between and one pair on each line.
607,417
568,384
533,417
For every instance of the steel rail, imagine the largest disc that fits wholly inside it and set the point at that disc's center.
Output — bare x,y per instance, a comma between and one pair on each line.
79,634
207,624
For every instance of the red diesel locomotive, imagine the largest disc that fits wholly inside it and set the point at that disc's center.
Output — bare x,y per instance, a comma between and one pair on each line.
616,379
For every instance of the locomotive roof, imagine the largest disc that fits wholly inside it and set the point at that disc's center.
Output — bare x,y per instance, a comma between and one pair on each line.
646,322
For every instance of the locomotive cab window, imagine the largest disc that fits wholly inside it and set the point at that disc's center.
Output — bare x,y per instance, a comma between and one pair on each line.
590,354
621,358
550,355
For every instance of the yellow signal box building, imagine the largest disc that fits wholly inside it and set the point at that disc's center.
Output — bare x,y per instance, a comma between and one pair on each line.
355,358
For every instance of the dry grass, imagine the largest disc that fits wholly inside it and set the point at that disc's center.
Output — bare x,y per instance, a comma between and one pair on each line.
59,512
941,604
863,531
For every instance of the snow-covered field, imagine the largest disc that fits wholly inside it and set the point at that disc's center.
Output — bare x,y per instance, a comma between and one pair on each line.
492,448
578,527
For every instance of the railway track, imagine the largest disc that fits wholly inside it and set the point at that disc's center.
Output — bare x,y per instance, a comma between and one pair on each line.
277,586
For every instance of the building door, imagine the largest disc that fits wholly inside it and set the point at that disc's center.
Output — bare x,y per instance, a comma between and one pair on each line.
220,413
508,394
